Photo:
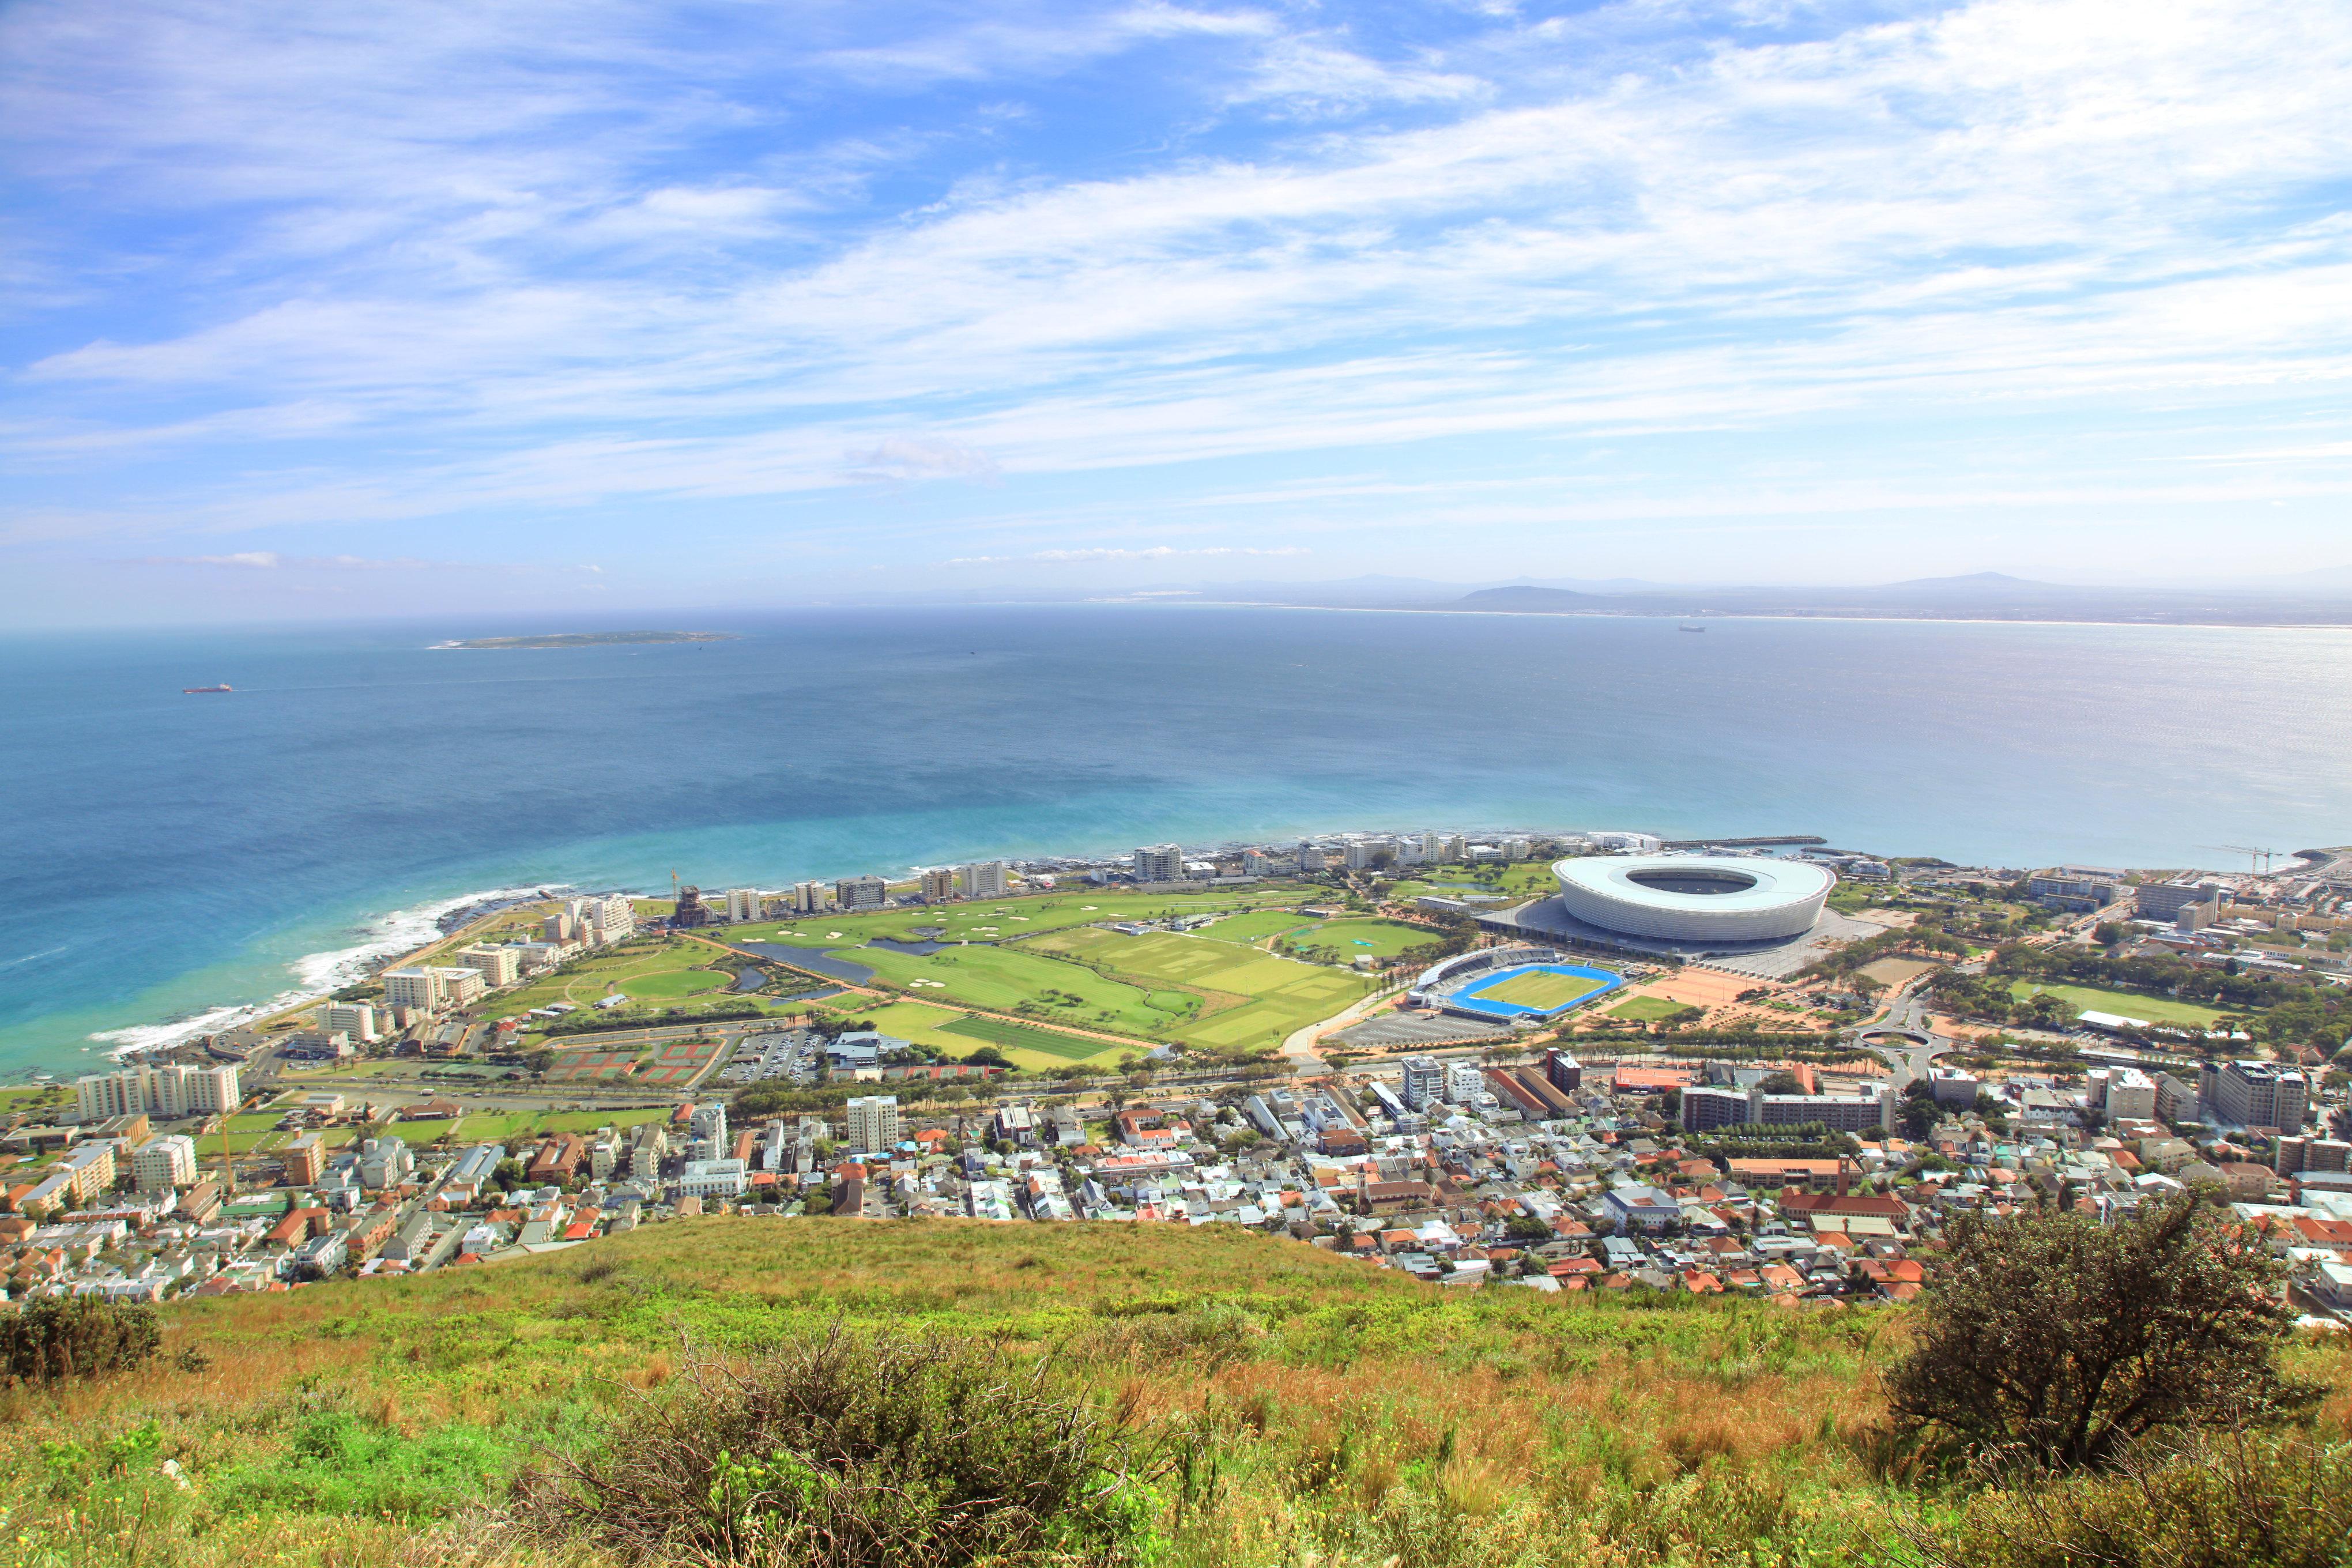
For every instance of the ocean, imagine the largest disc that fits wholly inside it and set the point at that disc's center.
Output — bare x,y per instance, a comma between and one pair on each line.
170,859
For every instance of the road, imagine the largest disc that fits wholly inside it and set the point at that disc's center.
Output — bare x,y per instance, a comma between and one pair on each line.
1907,1015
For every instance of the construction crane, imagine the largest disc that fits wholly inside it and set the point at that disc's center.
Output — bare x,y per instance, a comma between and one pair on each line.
2258,861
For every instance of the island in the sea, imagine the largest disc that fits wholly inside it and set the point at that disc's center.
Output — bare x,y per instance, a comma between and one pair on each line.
589,640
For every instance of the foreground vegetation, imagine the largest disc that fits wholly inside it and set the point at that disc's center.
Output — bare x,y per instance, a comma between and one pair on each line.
775,1391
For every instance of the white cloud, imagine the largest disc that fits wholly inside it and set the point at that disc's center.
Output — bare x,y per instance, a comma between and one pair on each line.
2003,205
1151,552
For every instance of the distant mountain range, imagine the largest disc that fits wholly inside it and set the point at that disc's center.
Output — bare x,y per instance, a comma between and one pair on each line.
2313,598
1983,596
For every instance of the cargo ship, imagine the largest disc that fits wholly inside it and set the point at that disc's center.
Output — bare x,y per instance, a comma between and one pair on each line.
199,690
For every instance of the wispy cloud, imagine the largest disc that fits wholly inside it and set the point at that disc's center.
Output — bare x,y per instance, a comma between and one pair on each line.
1151,552
378,267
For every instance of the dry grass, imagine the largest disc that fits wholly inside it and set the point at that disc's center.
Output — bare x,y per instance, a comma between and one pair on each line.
1342,1412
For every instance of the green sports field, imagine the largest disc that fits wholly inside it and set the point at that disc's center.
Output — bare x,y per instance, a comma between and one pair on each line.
1022,1037
1542,990
2124,1004
1000,920
1352,939
1647,1009
1257,925
1254,998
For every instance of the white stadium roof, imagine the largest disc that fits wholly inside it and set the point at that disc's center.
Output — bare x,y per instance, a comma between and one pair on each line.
1704,898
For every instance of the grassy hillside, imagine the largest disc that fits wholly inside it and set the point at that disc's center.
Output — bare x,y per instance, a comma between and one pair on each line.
1312,1409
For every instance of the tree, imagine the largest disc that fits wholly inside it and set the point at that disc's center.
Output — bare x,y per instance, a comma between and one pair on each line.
1781,1083
1918,1113
2051,1339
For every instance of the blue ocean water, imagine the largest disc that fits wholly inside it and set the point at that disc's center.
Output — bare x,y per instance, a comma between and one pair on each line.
165,856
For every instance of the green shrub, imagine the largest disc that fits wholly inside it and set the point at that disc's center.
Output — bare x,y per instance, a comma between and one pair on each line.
850,1451
339,1463
61,1336
2213,1500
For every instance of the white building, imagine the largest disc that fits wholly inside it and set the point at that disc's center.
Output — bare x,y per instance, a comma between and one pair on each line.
1464,1083
1310,860
983,880
873,1122
356,1019
1424,1081
173,1090
742,905
162,1164
1159,863
2126,1094
714,1179
496,965
611,919
810,898
1258,863
418,988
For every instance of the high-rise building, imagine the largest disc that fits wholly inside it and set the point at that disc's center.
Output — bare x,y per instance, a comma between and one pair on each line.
305,1160
707,1127
690,911
938,885
873,1122
1563,1071
2254,1094
1424,1081
162,1164
418,988
861,892
1258,863
743,905
1159,863
169,1093
557,927
496,966
1310,860
356,1019
811,897
985,880
1464,1083
1514,848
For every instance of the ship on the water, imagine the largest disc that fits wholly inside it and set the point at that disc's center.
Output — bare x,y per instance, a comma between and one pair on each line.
1691,628
199,690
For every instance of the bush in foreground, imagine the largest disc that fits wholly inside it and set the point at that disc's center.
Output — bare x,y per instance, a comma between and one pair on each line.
2052,1341
61,1336
849,1451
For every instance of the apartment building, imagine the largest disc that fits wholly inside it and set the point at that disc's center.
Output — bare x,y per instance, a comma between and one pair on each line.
810,898
162,1163
172,1090
938,885
356,1021
1159,863
744,905
1424,1081
2254,1094
873,1122
496,965
861,892
985,880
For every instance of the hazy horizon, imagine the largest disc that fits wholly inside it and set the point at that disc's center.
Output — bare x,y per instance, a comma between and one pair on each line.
619,308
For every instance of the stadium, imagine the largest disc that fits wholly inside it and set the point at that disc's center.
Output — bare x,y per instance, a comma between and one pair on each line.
1504,984
1726,898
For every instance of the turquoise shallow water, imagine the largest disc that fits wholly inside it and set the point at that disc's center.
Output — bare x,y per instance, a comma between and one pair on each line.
165,856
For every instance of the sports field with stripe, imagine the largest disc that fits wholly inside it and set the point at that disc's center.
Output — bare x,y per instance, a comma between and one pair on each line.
1020,1037
1540,988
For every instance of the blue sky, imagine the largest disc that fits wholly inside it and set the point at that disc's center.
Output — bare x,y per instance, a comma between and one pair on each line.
353,310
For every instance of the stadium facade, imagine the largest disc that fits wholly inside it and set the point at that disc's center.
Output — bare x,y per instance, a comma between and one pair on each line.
1730,898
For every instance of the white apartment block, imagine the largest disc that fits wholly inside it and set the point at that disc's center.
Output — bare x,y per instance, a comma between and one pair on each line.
414,988
743,905
1258,863
811,897
873,1122
496,965
1310,860
2254,1094
162,1164
2126,1094
985,880
940,884
1424,1081
173,1090
1159,863
356,1019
